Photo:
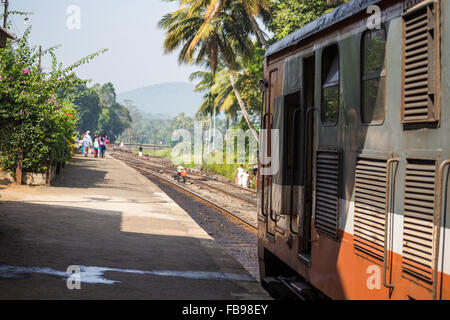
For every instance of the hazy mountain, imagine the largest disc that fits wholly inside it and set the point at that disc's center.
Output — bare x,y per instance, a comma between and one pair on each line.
166,99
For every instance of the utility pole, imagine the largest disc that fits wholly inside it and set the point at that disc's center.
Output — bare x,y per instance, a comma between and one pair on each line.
5,16
19,168
40,59
154,140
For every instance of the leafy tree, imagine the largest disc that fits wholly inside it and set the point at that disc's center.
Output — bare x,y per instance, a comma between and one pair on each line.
37,115
100,112
251,9
89,109
290,15
204,85
207,37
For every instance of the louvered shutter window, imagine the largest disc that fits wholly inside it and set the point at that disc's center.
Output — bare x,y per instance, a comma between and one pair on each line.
418,218
328,168
370,206
420,76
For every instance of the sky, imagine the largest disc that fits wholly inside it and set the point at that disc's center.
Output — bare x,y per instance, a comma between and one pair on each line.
128,28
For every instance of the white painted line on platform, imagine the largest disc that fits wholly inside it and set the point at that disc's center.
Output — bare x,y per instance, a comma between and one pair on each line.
95,275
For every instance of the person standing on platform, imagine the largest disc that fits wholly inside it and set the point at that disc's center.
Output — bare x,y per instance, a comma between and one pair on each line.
101,143
106,144
87,143
140,151
96,147
80,144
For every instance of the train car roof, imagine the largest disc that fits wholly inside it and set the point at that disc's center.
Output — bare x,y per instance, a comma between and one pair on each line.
339,14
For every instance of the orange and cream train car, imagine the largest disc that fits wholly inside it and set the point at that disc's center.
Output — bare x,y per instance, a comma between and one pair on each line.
357,107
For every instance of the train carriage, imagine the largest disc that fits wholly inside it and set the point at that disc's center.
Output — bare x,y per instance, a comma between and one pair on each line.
357,109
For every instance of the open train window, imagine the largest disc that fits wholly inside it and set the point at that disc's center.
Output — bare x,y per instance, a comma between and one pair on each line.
373,76
330,86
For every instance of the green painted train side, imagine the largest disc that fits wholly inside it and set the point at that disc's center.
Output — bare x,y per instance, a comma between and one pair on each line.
353,138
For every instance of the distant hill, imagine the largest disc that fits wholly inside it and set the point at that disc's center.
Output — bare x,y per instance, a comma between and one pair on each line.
165,100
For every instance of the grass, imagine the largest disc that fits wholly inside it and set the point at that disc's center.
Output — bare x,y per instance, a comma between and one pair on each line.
164,153
229,171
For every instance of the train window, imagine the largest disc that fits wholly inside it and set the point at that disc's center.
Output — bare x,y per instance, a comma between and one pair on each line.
373,76
421,64
292,133
330,86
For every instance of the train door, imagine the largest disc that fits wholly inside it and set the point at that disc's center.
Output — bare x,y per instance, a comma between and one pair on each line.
307,132
268,179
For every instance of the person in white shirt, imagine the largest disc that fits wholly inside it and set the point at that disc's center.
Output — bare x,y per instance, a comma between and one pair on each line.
87,143
244,179
239,174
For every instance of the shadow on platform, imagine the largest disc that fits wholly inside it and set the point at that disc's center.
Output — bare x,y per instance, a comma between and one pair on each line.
50,236
82,173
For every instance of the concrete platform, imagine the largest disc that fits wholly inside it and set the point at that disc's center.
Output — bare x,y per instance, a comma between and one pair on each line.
130,240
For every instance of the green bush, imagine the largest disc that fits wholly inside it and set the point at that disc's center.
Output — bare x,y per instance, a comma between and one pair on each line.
37,116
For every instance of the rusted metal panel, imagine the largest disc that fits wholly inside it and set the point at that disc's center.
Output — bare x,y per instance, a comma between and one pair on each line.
388,138
292,74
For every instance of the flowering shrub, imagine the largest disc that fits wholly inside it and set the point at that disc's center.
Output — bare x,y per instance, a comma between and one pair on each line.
37,116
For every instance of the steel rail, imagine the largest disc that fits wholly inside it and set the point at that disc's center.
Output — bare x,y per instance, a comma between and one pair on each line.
196,195
197,174
209,186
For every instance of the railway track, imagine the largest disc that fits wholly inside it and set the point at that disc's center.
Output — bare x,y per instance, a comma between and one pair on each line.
168,165
240,205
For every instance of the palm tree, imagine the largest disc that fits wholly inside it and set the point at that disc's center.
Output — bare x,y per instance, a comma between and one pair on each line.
254,8
207,107
225,99
206,40
251,8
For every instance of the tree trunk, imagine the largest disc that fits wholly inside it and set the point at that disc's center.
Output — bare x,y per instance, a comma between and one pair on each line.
242,105
210,133
227,126
47,173
214,131
19,168
258,32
